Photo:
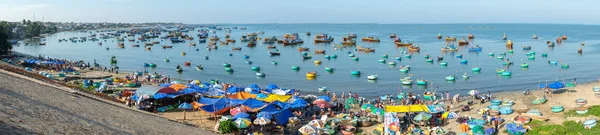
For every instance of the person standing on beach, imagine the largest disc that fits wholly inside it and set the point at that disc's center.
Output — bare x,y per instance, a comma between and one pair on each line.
448,96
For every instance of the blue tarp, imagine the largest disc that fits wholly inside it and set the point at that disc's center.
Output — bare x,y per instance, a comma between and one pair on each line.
270,108
299,103
234,89
282,117
259,96
253,103
147,90
555,85
160,95
185,106
265,115
281,104
165,85
272,86
255,87
207,101
326,98
219,104
187,91
241,115
235,102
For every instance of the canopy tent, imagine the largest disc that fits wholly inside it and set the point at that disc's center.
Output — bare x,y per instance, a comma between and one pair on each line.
326,98
253,103
178,87
273,97
218,106
281,104
282,117
265,115
242,95
282,91
272,87
423,116
241,115
151,90
299,103
406,108
555,85
234,89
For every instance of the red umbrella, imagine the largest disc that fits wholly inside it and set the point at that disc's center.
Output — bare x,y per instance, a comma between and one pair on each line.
321,103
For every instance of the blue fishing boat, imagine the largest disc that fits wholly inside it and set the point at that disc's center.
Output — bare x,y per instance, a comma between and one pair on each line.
176,40
475,49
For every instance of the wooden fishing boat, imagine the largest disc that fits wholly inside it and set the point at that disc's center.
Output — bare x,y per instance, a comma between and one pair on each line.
365,49
121,46
319,51
166,46
564,37
580,50
439,36
321,39
214,38
251,44
414,48
463,42
229,40
187,63
275,53
147,48
471,36
504,37
372,77
448,48
393,35
271,46
236,48
403,44
349,42
371,39
534,36
192,44
223,43
303,49
311,74
450,39
135,45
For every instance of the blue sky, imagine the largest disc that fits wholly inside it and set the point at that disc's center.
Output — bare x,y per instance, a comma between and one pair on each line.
305,11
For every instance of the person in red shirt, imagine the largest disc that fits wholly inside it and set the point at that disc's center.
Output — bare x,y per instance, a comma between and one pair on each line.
355,96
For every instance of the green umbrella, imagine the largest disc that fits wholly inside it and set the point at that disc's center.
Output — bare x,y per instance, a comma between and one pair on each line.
367,106
242,123
422,116
378,111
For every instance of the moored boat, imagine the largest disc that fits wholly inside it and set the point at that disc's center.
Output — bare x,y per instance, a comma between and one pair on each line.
450,39
199,67
450,78
403,43
311,74
393,35
275,53
414,48
406,81
463,42
421,82
372,77
371,39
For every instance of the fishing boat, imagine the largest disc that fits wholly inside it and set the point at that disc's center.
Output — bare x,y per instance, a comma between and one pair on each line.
450,78
260,74
226,65
414,48
311,74
500,71
439,58
295,68
228,69
534,36
202,41
475,49
199,67
504,37
328,69
192,44
323,38
406,81
306,57
450,39
580,50
403,43
439,36
371,39
463,42
166,46
404,69
147,48
421,82
229,40
236,48
471,36
393,35
275,53
271,47
135,45
365,49
449,48
179,70
465,76
527,47
564,65
372,77
255,68
251,44
391,62
476,69
321,89
464,61
564,37
167,60
317,62
429,60
214,38
349,42
443,64
355,72
303,49
506,73
524,65
308,33
319,51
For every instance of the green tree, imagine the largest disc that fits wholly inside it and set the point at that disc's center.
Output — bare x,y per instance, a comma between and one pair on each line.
5,47
34,29
24,22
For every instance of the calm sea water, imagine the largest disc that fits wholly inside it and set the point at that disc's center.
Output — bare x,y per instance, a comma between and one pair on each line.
583,67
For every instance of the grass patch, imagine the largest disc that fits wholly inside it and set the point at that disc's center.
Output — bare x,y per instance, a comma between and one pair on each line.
592,110
536,123
567,128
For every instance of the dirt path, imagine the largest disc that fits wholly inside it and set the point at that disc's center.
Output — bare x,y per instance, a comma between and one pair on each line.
27,107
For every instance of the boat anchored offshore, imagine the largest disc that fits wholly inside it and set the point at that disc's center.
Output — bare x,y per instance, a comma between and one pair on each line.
372,77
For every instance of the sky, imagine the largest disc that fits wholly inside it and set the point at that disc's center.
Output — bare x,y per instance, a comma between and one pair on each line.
305,11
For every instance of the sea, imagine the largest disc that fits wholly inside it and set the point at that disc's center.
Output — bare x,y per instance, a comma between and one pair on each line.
488,36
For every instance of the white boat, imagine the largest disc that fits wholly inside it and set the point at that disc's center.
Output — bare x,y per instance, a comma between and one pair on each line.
372,77
406,81
465,76
260,74
322,88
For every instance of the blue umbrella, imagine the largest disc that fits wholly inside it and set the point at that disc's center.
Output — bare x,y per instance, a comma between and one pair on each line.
185,106
241,115
265,115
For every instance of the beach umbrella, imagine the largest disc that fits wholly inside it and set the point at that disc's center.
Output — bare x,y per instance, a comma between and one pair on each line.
242,123
262,121
422,116
367,107
321,103
473,92
307,129
235,111
265,115
185,107
241,115
378,111
315,123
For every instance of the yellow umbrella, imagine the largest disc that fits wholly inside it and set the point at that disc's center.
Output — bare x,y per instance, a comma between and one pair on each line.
445,115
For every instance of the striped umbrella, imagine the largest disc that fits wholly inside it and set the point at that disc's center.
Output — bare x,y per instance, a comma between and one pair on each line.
262,121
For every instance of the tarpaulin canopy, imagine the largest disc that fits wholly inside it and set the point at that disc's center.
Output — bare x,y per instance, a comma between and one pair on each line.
282,91
272,87
555,85
326,98
253,103
273,97
178,87
282,117
207,101
406,108
235,102
242,95
265,115
261,96
281,104
241,115
299,103
234,89
219,105
269,108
